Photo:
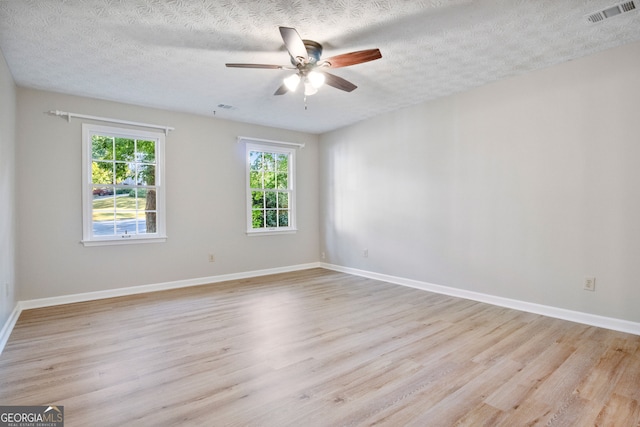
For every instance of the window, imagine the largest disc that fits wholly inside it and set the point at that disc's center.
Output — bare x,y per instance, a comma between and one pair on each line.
123,189
270,189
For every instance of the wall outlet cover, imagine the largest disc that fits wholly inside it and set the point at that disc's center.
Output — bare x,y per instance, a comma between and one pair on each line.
589,283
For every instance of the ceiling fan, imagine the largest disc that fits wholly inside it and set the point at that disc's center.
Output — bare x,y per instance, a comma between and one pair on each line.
310,70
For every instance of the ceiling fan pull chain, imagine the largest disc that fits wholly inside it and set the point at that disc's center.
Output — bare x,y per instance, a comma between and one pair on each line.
305,102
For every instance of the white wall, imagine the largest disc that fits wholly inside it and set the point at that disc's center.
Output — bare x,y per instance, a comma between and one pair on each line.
517,189
205,202
7,191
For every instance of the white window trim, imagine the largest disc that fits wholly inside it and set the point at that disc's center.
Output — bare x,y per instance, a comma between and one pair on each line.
272,147
87,188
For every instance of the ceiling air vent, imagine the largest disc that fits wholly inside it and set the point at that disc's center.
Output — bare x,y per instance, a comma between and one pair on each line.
611,11
628,6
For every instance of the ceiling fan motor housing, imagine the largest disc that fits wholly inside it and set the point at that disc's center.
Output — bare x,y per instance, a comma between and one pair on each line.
314,50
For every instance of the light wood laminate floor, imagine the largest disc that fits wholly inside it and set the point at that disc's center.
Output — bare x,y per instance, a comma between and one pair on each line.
317,348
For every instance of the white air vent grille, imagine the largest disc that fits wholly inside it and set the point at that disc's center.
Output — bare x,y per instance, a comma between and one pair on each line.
628,6
595,17
612,11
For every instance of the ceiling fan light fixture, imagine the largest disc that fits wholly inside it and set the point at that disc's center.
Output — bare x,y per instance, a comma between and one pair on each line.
292,82
309,89
316,79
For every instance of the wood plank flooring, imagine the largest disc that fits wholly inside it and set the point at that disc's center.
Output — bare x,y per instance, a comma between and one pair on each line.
317,348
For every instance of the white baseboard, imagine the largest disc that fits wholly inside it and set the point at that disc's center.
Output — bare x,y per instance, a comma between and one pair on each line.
560,313
142,289
8,326
545,310
119,292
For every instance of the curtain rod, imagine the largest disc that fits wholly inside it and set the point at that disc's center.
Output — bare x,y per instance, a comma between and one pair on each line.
106,119
269,141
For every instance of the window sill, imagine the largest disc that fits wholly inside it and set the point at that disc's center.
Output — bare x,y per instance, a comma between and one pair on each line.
274,232
110,242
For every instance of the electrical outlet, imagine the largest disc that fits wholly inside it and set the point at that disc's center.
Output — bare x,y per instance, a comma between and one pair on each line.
322,255
212,258
365,253
590,284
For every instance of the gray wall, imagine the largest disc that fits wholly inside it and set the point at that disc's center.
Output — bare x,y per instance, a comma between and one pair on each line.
7,191
517,189
205,202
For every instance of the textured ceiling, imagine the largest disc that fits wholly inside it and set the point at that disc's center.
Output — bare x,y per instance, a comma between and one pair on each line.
171,54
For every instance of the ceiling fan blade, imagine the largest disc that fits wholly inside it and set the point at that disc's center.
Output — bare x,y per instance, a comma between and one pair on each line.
339,82
353,58
294,44
281,90
267,66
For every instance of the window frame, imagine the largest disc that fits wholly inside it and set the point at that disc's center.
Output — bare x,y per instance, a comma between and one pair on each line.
88,238
291,180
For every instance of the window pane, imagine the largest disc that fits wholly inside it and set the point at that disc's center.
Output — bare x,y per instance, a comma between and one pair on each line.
257,219
125,149
141,197
125,173
101,147
283,200
149,198
125,222
146,174
271,218
141,223
122,191
103,198
103,218
103,215
125,203
255,160
140,202
255,179
282,181
150,222
257,199
146,151
271,199
125,215
138,198
269,162
102,172
282,163
269,180
283,218
103,228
